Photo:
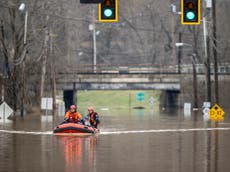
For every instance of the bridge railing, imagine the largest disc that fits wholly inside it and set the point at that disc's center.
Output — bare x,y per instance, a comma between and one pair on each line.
145,68
124,69
201,68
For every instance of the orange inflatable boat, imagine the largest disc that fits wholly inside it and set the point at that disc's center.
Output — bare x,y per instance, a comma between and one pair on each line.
75,128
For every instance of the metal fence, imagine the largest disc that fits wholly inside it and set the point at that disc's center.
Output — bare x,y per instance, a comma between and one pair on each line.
146,68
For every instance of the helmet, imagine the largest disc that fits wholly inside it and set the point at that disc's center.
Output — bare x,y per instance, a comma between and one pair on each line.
72,107
90,108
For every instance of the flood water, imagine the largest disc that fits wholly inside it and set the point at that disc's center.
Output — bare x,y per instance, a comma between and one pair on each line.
141,140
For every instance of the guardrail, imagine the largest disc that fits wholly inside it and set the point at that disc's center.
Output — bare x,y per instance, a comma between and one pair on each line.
144,68
123,69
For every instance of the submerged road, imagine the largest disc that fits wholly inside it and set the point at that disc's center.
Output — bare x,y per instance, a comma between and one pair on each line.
104,132
127,142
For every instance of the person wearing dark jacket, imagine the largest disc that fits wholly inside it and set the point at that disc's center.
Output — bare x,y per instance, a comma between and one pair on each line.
93,117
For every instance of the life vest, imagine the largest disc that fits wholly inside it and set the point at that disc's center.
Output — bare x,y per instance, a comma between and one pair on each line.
93,118
73,117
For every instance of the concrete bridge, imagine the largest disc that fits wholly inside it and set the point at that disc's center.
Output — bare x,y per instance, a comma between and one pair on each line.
115,81
168,81
116,77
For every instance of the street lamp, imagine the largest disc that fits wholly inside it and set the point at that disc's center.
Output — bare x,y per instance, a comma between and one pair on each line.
22,8
207,58
92,27
195,99
180,44
174,10
80,53
195,104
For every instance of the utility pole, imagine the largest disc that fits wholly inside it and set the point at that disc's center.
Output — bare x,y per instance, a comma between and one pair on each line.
195,99
52,74
207,61
179,54
44,59
94,42
22,8
23,88
2,89
215,58
208,73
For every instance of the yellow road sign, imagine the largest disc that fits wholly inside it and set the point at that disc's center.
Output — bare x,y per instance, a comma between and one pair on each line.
216,113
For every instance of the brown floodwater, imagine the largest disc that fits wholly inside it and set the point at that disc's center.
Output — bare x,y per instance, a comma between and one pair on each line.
141,140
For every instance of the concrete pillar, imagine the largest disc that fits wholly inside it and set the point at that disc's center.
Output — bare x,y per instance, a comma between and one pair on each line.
74,94
68,96
169,99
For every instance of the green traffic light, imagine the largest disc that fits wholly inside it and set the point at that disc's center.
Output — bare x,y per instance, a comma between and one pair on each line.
108,12
190,15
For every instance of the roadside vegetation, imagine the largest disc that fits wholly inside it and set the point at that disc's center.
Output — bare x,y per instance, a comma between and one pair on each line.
114,100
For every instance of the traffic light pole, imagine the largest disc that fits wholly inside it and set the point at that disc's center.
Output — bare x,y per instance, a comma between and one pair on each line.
207,61
215,52
179,54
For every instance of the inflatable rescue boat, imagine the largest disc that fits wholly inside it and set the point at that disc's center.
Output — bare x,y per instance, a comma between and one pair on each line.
75,128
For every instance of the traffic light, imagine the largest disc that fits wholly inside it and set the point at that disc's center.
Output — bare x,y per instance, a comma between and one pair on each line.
190,12
108,11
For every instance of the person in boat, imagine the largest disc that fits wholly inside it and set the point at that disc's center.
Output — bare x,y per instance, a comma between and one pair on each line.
93,117
72,115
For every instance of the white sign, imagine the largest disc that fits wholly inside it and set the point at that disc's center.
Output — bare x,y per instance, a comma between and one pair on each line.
61,108
91,27
205,111
206,104
187,109
209,3
47,103
206,117
5,110
151,101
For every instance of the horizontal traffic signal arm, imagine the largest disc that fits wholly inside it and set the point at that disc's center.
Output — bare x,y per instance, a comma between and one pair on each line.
90,1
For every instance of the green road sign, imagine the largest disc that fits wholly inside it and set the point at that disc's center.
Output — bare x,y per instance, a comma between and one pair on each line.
140,96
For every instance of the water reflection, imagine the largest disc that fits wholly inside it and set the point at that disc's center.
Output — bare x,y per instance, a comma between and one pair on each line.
216,148
78,152
140,112
176,143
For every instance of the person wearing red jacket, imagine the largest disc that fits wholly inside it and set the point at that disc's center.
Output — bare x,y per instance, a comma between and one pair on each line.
72,115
